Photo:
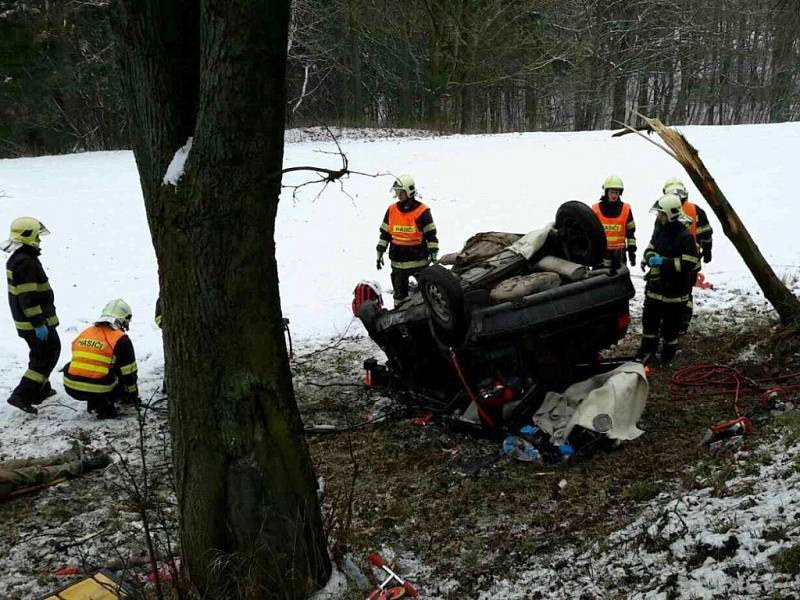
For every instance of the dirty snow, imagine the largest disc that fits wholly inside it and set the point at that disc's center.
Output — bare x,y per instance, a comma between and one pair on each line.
100,249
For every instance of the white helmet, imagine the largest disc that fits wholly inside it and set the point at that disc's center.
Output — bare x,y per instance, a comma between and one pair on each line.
670,205
116,313
406,184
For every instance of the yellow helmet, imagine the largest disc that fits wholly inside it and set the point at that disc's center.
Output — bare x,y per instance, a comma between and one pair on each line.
613,182
675,186
406,184
25,231
116,313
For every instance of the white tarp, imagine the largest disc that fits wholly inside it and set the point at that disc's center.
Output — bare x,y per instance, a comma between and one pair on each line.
610,403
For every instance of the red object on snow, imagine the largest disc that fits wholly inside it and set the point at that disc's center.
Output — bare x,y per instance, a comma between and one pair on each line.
385,593
364,292
66,571
164,572
740,426
702,283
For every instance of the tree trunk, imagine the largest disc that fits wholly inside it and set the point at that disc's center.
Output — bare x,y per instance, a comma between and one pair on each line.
782,299
249,514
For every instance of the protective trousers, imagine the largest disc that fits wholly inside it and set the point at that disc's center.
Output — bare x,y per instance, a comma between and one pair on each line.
661,320
42,358
400,282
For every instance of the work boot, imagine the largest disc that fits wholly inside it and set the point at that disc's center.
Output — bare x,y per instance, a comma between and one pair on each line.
107,411
668,352
45,393
22,404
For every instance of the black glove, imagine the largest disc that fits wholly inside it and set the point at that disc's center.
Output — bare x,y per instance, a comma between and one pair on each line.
379,262
632,256
707,254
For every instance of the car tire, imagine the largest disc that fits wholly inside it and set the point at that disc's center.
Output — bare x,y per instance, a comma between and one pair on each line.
581,235
444,298
369,312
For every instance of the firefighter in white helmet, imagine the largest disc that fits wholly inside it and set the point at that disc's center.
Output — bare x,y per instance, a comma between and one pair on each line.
31,300
672,258
103,368
408,231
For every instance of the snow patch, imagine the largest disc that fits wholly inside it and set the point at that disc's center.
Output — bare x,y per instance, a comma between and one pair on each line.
175,168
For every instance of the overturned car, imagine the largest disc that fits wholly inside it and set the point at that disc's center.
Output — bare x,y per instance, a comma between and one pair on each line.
513,318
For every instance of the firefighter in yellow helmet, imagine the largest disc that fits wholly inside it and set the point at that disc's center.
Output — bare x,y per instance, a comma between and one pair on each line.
702,233
616,217
409,232
103,367
672,258
31,300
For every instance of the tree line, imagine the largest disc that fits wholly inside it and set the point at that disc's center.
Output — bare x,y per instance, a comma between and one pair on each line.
468,66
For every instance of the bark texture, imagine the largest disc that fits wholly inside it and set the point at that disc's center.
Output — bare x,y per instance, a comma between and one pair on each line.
215,71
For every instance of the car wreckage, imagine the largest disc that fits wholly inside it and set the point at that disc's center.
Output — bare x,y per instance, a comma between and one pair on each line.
514,318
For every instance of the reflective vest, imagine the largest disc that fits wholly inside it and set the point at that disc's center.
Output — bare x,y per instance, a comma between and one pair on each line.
403,225
615,227
93,352
691,211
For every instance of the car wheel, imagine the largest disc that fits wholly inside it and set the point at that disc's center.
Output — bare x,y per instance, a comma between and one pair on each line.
444,297
581,235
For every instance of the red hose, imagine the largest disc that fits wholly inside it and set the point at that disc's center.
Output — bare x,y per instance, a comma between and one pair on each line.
728,380
481,412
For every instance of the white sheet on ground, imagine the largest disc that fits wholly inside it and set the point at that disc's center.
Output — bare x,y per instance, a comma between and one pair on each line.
609,403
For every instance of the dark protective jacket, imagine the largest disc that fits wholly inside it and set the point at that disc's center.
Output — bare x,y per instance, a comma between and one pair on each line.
30,296
402,255
672,281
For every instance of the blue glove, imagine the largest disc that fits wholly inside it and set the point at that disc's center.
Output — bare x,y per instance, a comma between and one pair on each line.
655,260
42,332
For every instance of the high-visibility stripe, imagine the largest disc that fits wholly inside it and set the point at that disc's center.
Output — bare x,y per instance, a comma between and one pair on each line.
631,225
34,376
690,258
26,288
93,356
667,299
410,264
677,263
703,229
650,335
128,369
433,245
429,227
95,388
385,227
76,365
27,326
131,389
382,243
9,275
32,311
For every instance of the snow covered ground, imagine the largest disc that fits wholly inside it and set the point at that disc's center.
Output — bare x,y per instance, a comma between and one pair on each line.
100,247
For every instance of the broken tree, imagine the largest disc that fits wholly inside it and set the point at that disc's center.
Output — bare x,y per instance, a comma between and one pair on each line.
212,74
782,299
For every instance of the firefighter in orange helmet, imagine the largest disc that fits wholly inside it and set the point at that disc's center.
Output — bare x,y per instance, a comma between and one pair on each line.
408,231
616,217
103,367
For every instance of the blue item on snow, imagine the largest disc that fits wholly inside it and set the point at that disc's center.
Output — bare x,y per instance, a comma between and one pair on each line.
655,260
41,332
566,450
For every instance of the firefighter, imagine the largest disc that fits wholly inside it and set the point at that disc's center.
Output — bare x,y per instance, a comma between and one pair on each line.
617,219
103,366
702,233
672,259
32,307
410,233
